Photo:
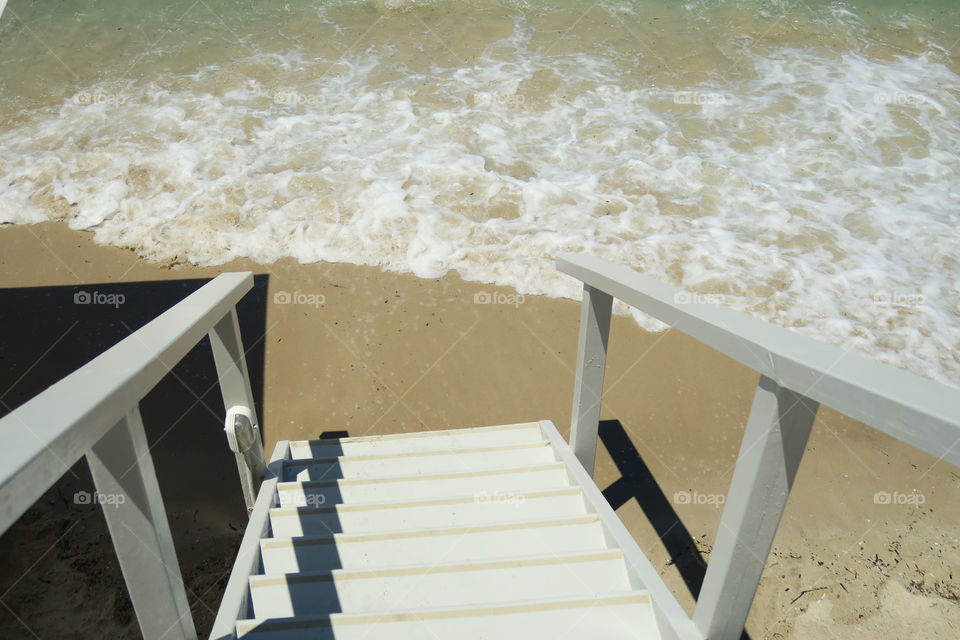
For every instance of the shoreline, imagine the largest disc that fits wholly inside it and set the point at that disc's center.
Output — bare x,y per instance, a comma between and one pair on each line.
386,352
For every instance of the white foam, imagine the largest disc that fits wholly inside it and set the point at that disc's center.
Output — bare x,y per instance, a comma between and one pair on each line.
818,192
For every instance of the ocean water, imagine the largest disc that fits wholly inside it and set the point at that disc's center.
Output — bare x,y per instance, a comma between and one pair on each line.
799,161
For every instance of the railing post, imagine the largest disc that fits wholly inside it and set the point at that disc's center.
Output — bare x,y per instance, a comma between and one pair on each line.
127,489
588,386
235,386
773,444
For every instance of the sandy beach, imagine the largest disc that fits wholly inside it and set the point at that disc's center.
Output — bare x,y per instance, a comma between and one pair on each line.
371,352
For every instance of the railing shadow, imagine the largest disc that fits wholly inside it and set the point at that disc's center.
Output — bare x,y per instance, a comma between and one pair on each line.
61,328
52,331
637,483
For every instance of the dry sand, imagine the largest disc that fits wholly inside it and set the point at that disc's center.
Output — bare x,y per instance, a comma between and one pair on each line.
386,353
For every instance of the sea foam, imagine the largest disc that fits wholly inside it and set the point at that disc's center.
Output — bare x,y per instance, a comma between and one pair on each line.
812,189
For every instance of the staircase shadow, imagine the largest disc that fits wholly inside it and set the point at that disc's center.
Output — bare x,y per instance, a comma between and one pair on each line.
320,629
637,483
314,551
299,549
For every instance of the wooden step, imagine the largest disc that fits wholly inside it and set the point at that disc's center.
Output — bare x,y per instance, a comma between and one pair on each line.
423,514
382,466
469,533
438,584
624,616
448,544
329,493
419,441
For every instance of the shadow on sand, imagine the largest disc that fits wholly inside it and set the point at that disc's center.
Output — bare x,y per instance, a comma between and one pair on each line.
637,483
50,332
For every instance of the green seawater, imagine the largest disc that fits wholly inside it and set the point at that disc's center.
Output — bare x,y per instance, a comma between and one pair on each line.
51,50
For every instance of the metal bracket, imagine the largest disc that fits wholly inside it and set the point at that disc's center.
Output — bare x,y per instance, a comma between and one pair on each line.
239,427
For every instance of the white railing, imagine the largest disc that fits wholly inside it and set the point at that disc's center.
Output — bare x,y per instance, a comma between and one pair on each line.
94,412
797,374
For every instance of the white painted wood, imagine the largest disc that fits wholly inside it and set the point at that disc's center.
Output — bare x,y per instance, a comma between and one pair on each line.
773,444
358,467
418,441
439,584
437,544
279,458
595,313
625,616
428,485
920,412
440,512
231,363
674,623
127,489
235,604
491,535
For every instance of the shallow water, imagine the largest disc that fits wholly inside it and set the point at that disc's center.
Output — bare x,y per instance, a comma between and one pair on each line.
797,161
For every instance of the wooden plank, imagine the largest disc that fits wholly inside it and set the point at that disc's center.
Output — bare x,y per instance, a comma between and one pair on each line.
588,384
773,444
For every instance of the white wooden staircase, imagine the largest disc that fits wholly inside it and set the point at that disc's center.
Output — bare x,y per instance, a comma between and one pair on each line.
465,533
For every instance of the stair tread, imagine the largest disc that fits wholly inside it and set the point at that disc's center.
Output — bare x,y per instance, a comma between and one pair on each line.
424,434
411,463
293,484
423,545
472,508
443,439
441,567
538,444
614,616
421,485
438,583
399,504
430,531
